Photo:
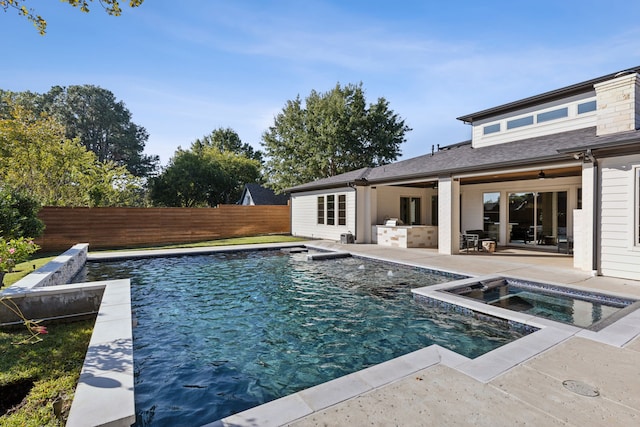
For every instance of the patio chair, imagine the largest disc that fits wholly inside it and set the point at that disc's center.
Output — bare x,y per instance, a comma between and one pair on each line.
565,244
469,241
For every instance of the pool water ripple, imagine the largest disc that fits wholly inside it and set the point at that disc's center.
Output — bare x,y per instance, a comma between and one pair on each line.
219,334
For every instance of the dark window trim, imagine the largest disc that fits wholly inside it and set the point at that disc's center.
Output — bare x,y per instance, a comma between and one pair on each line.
320,209
342,209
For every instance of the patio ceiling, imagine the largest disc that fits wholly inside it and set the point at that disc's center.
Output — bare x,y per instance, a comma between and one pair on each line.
549,173
502,176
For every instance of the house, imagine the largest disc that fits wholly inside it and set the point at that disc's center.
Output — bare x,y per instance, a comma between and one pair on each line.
255,194
557,170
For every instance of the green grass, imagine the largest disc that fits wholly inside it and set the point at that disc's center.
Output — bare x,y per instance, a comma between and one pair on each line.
53,364
24,268
275,238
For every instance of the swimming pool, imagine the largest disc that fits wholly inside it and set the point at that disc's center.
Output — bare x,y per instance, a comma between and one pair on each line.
221,333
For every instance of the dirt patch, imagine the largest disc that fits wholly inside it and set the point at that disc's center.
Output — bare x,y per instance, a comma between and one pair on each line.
14,393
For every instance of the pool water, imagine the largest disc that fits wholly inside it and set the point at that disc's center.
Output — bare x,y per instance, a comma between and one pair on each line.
218,334
552,302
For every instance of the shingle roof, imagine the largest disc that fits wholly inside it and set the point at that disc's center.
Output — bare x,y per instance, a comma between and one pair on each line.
464,158
333,181
264,196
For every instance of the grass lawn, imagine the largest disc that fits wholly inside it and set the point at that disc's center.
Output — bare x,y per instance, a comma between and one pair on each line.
24,268
35,376
275,238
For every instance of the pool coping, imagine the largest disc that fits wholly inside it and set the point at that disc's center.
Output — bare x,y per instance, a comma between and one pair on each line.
305,402
107,372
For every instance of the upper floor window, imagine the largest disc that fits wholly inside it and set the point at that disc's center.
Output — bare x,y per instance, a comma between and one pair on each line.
491,129
523,121
586,107
552,115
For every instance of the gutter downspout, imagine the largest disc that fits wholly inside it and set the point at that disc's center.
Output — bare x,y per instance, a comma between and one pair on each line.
354,187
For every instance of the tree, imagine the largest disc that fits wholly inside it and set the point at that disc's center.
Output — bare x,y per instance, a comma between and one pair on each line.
112,7
102,124
18,215
333,133
226,140
91,114
187,182
206,176
36,160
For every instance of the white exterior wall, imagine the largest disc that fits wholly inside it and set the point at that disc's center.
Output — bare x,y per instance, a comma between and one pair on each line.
304,215
448,216
584,239
619,250
247,201
573,121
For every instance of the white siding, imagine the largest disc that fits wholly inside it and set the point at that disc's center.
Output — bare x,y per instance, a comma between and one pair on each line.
304,215
619,253
573,121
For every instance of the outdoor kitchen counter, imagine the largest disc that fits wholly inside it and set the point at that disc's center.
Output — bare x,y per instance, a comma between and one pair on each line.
407,236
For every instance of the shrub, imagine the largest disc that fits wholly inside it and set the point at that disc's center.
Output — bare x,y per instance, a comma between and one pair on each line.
19,215
15,251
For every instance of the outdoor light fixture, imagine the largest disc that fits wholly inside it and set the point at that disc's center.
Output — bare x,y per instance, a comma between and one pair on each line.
541,175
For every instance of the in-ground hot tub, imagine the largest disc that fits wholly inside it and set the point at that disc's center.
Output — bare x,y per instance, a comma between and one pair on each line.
575,307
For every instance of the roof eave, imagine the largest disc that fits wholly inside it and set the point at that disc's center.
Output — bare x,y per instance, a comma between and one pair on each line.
553,95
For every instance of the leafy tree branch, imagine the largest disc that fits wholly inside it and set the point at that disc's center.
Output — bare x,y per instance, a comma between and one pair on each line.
112,7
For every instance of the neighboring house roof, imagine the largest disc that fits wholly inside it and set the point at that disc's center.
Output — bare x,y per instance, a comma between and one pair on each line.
463,157
263,196
550,96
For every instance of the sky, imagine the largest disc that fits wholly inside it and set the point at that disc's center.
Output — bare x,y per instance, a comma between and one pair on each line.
185,68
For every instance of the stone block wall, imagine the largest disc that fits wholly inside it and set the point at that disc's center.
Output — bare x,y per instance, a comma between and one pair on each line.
618,104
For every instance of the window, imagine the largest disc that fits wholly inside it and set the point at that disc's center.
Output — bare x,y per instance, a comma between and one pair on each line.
491,129
410,210
342,209
491,217
587,107
579,197
516,123
434,210
320,209
552,115
331,210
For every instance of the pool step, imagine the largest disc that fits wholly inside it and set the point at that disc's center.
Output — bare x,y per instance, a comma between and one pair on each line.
328,255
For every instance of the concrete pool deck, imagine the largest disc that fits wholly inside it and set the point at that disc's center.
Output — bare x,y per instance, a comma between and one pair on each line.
521,383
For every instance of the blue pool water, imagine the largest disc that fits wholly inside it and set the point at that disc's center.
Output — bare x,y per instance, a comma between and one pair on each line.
218,334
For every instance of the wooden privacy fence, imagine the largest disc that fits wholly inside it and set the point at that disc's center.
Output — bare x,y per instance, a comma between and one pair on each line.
129,227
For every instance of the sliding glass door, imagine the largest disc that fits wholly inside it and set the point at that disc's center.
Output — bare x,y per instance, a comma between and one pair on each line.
537,218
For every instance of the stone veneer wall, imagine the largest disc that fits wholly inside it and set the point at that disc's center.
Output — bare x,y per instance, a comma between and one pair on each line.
56,272
618,105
